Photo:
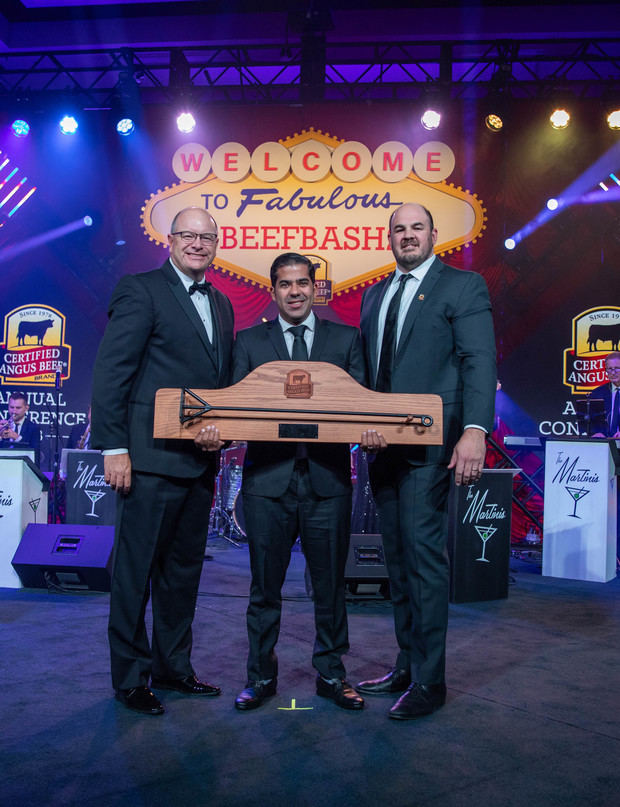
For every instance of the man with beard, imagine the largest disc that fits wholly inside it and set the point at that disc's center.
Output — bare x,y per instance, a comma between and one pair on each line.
426,329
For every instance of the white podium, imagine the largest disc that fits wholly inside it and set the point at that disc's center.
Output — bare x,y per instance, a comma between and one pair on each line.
579,538
23,501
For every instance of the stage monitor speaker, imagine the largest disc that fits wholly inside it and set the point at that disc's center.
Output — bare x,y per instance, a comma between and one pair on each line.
72,557
365,560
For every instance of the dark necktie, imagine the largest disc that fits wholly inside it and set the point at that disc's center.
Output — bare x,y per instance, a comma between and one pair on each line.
388,345
300,350
203,287
614,423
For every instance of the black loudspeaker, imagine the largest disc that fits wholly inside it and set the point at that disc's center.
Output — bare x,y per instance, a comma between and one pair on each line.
365,561
66,556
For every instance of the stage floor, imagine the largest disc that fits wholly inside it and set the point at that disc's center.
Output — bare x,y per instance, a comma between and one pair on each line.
532,717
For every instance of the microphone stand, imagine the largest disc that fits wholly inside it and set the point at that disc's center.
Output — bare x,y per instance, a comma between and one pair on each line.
56,474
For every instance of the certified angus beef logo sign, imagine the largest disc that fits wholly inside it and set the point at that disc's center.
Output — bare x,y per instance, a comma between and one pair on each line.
33,348
317,195
596,332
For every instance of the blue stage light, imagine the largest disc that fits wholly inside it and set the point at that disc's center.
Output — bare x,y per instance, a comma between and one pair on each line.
125,126
510,243
68,125
552,204
20,128
88,221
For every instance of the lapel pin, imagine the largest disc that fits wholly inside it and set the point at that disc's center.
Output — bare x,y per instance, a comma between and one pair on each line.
420,297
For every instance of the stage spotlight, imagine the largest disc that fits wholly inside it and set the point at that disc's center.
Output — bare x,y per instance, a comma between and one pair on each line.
559,118
430,119
186,122
125,126
613,119
510,243
552,204
68,125
20,128
88,221
493,122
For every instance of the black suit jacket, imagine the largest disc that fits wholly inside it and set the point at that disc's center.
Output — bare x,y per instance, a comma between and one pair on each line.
604,393
268,466
155,338
30,439
447,347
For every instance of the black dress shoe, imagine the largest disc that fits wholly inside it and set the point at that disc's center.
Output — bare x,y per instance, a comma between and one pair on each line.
255,693
394,681
140,699
419,700
189,685
339,691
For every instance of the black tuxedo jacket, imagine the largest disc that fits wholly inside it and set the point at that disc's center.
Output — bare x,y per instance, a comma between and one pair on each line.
30,439
447,347
155,338
268,466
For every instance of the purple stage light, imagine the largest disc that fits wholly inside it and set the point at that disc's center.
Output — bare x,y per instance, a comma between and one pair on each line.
44,238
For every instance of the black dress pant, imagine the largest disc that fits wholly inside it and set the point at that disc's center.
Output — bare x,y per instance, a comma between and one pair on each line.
412,502
161,533
273,525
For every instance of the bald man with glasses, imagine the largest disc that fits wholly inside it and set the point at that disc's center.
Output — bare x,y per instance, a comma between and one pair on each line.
167,328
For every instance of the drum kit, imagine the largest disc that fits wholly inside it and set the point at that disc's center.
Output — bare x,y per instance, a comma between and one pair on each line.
227,520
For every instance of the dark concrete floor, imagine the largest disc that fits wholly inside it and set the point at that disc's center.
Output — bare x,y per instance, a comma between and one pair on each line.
532,718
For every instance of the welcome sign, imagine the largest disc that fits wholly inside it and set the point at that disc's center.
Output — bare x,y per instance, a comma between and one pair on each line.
314,194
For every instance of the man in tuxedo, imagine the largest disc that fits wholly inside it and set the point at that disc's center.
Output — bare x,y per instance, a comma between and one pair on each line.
167,328
292,489
18,432
610,394
427,328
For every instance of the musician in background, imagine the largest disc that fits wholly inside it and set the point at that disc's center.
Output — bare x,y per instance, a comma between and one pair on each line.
80,435
610,394
18,432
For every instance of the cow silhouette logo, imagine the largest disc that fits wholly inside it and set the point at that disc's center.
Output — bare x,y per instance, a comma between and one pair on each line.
298,384
34,351
596,332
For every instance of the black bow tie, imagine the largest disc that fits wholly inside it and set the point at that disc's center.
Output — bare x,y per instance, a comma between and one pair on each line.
203,287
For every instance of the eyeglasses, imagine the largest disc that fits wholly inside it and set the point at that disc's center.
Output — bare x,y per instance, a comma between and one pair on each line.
612,370
188,237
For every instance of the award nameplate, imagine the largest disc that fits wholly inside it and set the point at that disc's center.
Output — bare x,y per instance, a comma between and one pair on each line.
299,401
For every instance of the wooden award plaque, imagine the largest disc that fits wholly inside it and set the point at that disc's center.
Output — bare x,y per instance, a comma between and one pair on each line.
299,401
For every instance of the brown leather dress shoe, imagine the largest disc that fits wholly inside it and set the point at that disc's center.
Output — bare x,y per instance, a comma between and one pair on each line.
395,681
140,699
189,685
254,694
419,700
339,691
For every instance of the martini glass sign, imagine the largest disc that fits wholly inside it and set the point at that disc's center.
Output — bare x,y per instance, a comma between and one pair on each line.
485,533
94,496
576,494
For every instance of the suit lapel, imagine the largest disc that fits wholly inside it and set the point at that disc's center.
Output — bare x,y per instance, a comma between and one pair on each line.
178,289
276,337
373,324
424,290
318,342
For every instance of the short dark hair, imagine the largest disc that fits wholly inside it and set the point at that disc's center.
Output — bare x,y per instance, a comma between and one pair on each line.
288,259
15,396
425,209
613,355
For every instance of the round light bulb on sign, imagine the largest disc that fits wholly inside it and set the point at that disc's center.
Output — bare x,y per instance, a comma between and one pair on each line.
434,161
